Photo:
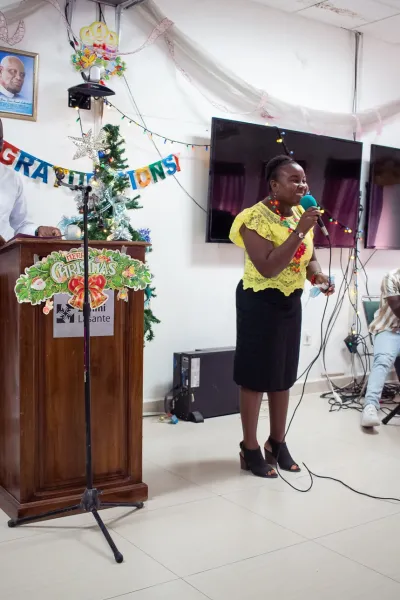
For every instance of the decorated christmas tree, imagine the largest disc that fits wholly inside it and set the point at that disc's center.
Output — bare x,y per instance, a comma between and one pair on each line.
108,217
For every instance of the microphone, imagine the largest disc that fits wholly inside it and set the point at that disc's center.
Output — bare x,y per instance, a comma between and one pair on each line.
309,201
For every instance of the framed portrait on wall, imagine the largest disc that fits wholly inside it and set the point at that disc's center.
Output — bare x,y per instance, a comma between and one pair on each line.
18,84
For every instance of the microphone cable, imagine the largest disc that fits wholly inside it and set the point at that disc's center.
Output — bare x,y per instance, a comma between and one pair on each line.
349,397
307,371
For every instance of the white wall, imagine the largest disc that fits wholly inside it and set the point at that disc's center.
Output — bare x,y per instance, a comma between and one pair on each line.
297,60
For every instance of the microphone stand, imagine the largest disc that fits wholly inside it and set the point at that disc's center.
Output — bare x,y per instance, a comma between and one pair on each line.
90,501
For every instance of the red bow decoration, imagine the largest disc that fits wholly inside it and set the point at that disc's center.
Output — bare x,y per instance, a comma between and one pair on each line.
96,295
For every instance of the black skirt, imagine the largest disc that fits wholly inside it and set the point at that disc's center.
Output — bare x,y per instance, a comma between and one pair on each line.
268,339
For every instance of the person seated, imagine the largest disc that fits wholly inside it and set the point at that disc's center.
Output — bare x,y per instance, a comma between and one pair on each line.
386,328
13,209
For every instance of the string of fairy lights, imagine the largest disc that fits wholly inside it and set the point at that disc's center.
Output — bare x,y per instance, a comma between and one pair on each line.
150,133
281,139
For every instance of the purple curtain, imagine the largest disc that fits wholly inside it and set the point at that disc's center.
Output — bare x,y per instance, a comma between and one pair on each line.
376,205
338,199
263,190
229,189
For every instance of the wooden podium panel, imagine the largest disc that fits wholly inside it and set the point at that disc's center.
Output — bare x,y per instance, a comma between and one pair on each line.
42,427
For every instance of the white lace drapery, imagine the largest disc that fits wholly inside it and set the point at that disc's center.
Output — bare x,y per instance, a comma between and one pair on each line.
214,80
15,10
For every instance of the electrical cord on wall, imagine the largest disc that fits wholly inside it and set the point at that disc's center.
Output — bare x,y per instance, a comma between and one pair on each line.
349,396
156,147
339,395
73,42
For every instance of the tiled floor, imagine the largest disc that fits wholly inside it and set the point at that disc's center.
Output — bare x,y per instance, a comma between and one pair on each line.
211,531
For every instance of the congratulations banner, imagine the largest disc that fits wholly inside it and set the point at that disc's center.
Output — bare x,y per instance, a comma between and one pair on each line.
35,168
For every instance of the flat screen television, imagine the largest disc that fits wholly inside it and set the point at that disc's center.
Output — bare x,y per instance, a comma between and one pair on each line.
239,155
383,207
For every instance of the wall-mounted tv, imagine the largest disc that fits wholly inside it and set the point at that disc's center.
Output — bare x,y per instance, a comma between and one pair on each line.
383,209
239,154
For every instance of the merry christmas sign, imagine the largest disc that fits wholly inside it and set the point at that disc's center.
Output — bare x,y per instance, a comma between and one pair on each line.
62,273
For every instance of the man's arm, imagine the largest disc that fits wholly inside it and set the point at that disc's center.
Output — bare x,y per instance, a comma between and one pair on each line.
19,220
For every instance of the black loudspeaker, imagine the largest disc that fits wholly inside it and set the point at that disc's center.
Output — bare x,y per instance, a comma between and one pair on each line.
203,385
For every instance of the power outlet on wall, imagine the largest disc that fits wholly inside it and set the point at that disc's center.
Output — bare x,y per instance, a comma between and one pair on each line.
307,339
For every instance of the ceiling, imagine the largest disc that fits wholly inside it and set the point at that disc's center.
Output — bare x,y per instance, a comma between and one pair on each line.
379,18
123,3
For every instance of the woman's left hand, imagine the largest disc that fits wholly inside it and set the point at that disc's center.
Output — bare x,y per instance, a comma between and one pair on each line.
322,279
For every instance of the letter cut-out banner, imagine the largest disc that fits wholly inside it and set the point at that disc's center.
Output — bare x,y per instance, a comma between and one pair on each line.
41,170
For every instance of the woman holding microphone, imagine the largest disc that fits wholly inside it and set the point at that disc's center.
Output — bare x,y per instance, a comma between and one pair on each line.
277,235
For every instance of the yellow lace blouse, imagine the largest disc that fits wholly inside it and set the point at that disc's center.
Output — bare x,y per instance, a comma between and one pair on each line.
268,225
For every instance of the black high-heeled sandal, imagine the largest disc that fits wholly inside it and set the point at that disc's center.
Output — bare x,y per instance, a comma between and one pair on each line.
280,456
253,460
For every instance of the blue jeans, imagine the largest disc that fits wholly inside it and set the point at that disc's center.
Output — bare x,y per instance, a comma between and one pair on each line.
386,350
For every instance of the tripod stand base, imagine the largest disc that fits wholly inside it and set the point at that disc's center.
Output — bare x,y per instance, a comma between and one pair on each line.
395,412
90,502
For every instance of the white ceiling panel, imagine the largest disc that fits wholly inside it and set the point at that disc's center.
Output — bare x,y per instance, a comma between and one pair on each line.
287,5
392,3
379,18
387,30
349,13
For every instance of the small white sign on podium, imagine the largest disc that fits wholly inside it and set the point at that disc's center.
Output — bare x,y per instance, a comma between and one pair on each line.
68,321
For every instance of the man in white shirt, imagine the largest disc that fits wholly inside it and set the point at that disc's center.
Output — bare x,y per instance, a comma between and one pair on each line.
13,210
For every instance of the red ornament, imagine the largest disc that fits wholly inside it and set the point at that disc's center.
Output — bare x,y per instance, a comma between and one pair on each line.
74,282
98,280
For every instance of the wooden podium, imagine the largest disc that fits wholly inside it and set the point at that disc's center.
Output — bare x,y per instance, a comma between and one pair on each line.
42,428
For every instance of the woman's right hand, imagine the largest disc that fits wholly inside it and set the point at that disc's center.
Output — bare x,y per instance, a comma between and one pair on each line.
308,220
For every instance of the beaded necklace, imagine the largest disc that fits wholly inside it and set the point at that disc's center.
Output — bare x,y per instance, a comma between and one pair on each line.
296,260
